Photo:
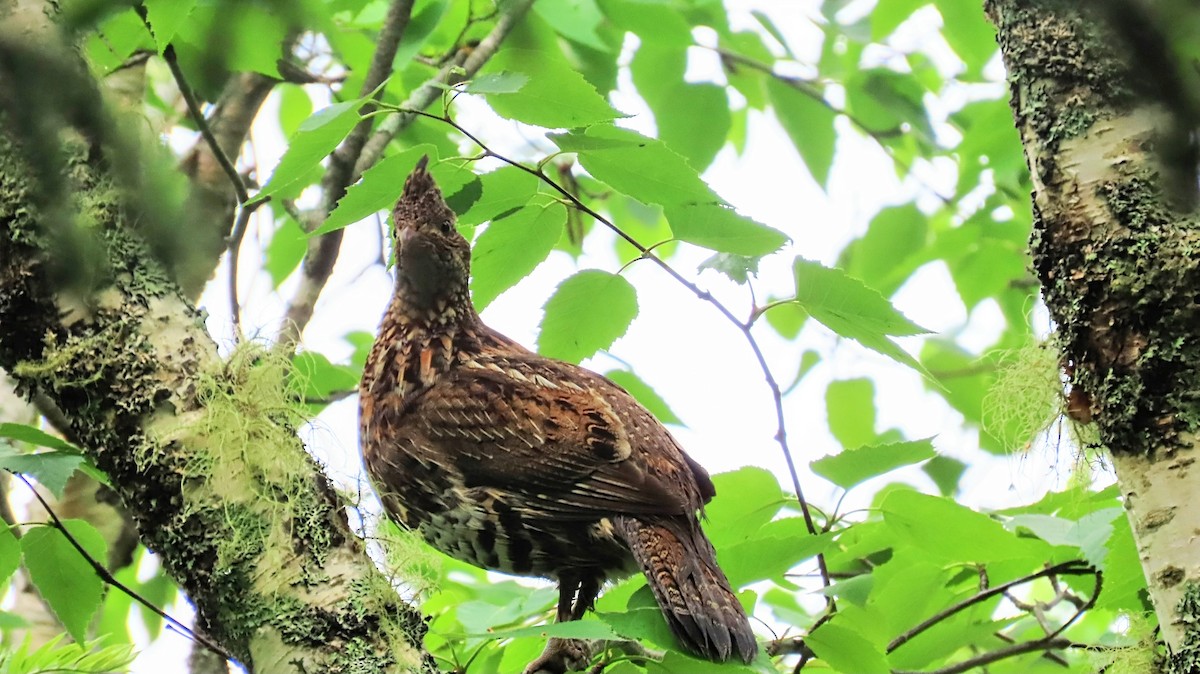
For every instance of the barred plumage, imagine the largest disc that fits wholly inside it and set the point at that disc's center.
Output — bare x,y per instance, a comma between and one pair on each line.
518,463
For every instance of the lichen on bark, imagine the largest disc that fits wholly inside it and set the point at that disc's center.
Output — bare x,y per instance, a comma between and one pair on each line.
268,559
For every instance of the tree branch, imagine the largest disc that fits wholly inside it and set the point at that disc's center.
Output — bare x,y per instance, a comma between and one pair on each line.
245,523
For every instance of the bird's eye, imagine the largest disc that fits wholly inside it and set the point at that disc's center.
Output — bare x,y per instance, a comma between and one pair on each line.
446,226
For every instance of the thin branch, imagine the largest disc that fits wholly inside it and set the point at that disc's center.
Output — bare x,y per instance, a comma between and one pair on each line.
743,326
193,106
235,250
1072,568
997,655
108,578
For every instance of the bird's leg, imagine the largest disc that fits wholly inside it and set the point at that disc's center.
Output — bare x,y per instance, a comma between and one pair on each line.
566,655
589,587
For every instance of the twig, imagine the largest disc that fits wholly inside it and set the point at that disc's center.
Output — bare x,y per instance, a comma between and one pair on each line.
997,655
193,106
1072,568
235,250
743,326
108,578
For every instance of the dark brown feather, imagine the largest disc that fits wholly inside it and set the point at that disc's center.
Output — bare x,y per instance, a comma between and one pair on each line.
523,464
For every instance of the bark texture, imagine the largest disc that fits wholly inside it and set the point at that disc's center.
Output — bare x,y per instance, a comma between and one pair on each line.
1119,266
217,482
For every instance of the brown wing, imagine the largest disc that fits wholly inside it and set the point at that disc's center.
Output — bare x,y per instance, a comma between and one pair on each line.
567,442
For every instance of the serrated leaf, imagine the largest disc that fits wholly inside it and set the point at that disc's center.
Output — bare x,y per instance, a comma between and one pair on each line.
846,650
511,247
62,576
808,121
737,268
51,469
316,137
165,18
643,168
501,191
721,228
378,189
1091,533
555,95
952,532
854,466
849,308
587,312
497,83
35,436
644,394
777,548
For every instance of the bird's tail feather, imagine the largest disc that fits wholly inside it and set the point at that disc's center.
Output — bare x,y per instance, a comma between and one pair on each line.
681,568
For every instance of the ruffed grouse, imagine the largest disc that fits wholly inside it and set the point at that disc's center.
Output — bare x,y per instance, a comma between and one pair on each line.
518,463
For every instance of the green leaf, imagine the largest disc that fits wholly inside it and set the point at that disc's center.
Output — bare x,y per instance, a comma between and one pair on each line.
62,576
846,650
295,106
850,410
285,250
808,121
889,252
945,472
643,168
497,83
51,469
378,189
513,246
35,436
10,554
555,95
777,548
644,394
502,191
968,32
1090,533
952,532
652,20
854,466
643,624
165,18
658,74
886,17
887,102
587,312
321,378
575,20
849,308
737,268
746,500
721,228
313,141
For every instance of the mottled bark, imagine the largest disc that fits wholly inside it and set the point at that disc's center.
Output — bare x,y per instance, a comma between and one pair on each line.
239,514
1119,265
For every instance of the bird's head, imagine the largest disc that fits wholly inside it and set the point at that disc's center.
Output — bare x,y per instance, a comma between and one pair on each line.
433,261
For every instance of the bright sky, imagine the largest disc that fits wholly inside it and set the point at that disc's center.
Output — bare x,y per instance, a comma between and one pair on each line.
698,362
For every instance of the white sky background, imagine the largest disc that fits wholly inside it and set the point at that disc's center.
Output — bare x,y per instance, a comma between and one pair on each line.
698,362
